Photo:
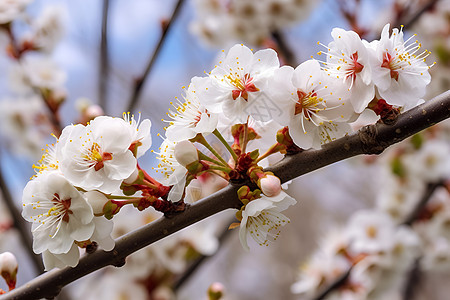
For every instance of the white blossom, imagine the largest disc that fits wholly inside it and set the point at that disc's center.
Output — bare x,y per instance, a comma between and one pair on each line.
59,213
173,172
140,133
399,69
185,153
262,218
190,117
97,156
348,61
314,108
238,82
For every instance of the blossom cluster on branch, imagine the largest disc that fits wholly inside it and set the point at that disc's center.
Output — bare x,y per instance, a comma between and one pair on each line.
246,104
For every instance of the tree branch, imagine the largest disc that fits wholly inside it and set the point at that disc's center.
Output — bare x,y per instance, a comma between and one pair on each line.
139,83
372,139
286,52
408,22
104,57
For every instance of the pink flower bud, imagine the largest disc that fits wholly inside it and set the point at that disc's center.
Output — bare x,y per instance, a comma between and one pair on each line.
270,185
97,201
216,291
8,268
185,153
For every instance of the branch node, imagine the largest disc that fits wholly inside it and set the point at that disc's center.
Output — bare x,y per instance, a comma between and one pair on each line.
369,140
91,248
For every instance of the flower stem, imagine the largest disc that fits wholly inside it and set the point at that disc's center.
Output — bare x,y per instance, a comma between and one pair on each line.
201,139
222,140
275,148
203,156
244,144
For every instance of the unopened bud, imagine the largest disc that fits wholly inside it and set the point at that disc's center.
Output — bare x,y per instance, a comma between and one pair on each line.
185,153
94,111
8,269
97,201
216,291
270,185
132,178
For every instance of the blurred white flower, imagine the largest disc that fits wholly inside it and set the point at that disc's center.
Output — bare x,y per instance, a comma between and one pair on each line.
24,125
48,28
431,163
11,9
37,72
318,272
370,232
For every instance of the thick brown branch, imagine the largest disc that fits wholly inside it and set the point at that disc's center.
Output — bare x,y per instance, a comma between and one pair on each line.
139,83
369,140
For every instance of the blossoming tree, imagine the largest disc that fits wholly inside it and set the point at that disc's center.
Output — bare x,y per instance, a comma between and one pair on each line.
242,132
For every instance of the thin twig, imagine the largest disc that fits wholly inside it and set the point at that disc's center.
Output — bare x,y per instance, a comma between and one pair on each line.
372,139
413,279
431,188
286,52
411,20
139,83
21,225
104,57
336,284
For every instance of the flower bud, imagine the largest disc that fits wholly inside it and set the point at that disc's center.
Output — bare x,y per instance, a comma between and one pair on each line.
8,268
97,200
216,291
94,111
132,178
185,153
270,185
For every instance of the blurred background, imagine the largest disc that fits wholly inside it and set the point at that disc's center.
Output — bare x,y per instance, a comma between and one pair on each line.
116,55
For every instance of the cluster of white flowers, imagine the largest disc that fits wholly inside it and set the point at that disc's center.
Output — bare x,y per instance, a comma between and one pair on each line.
11,10
375,244
220,22
379,253
36,82
407,169
246,93
150,273
74,178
